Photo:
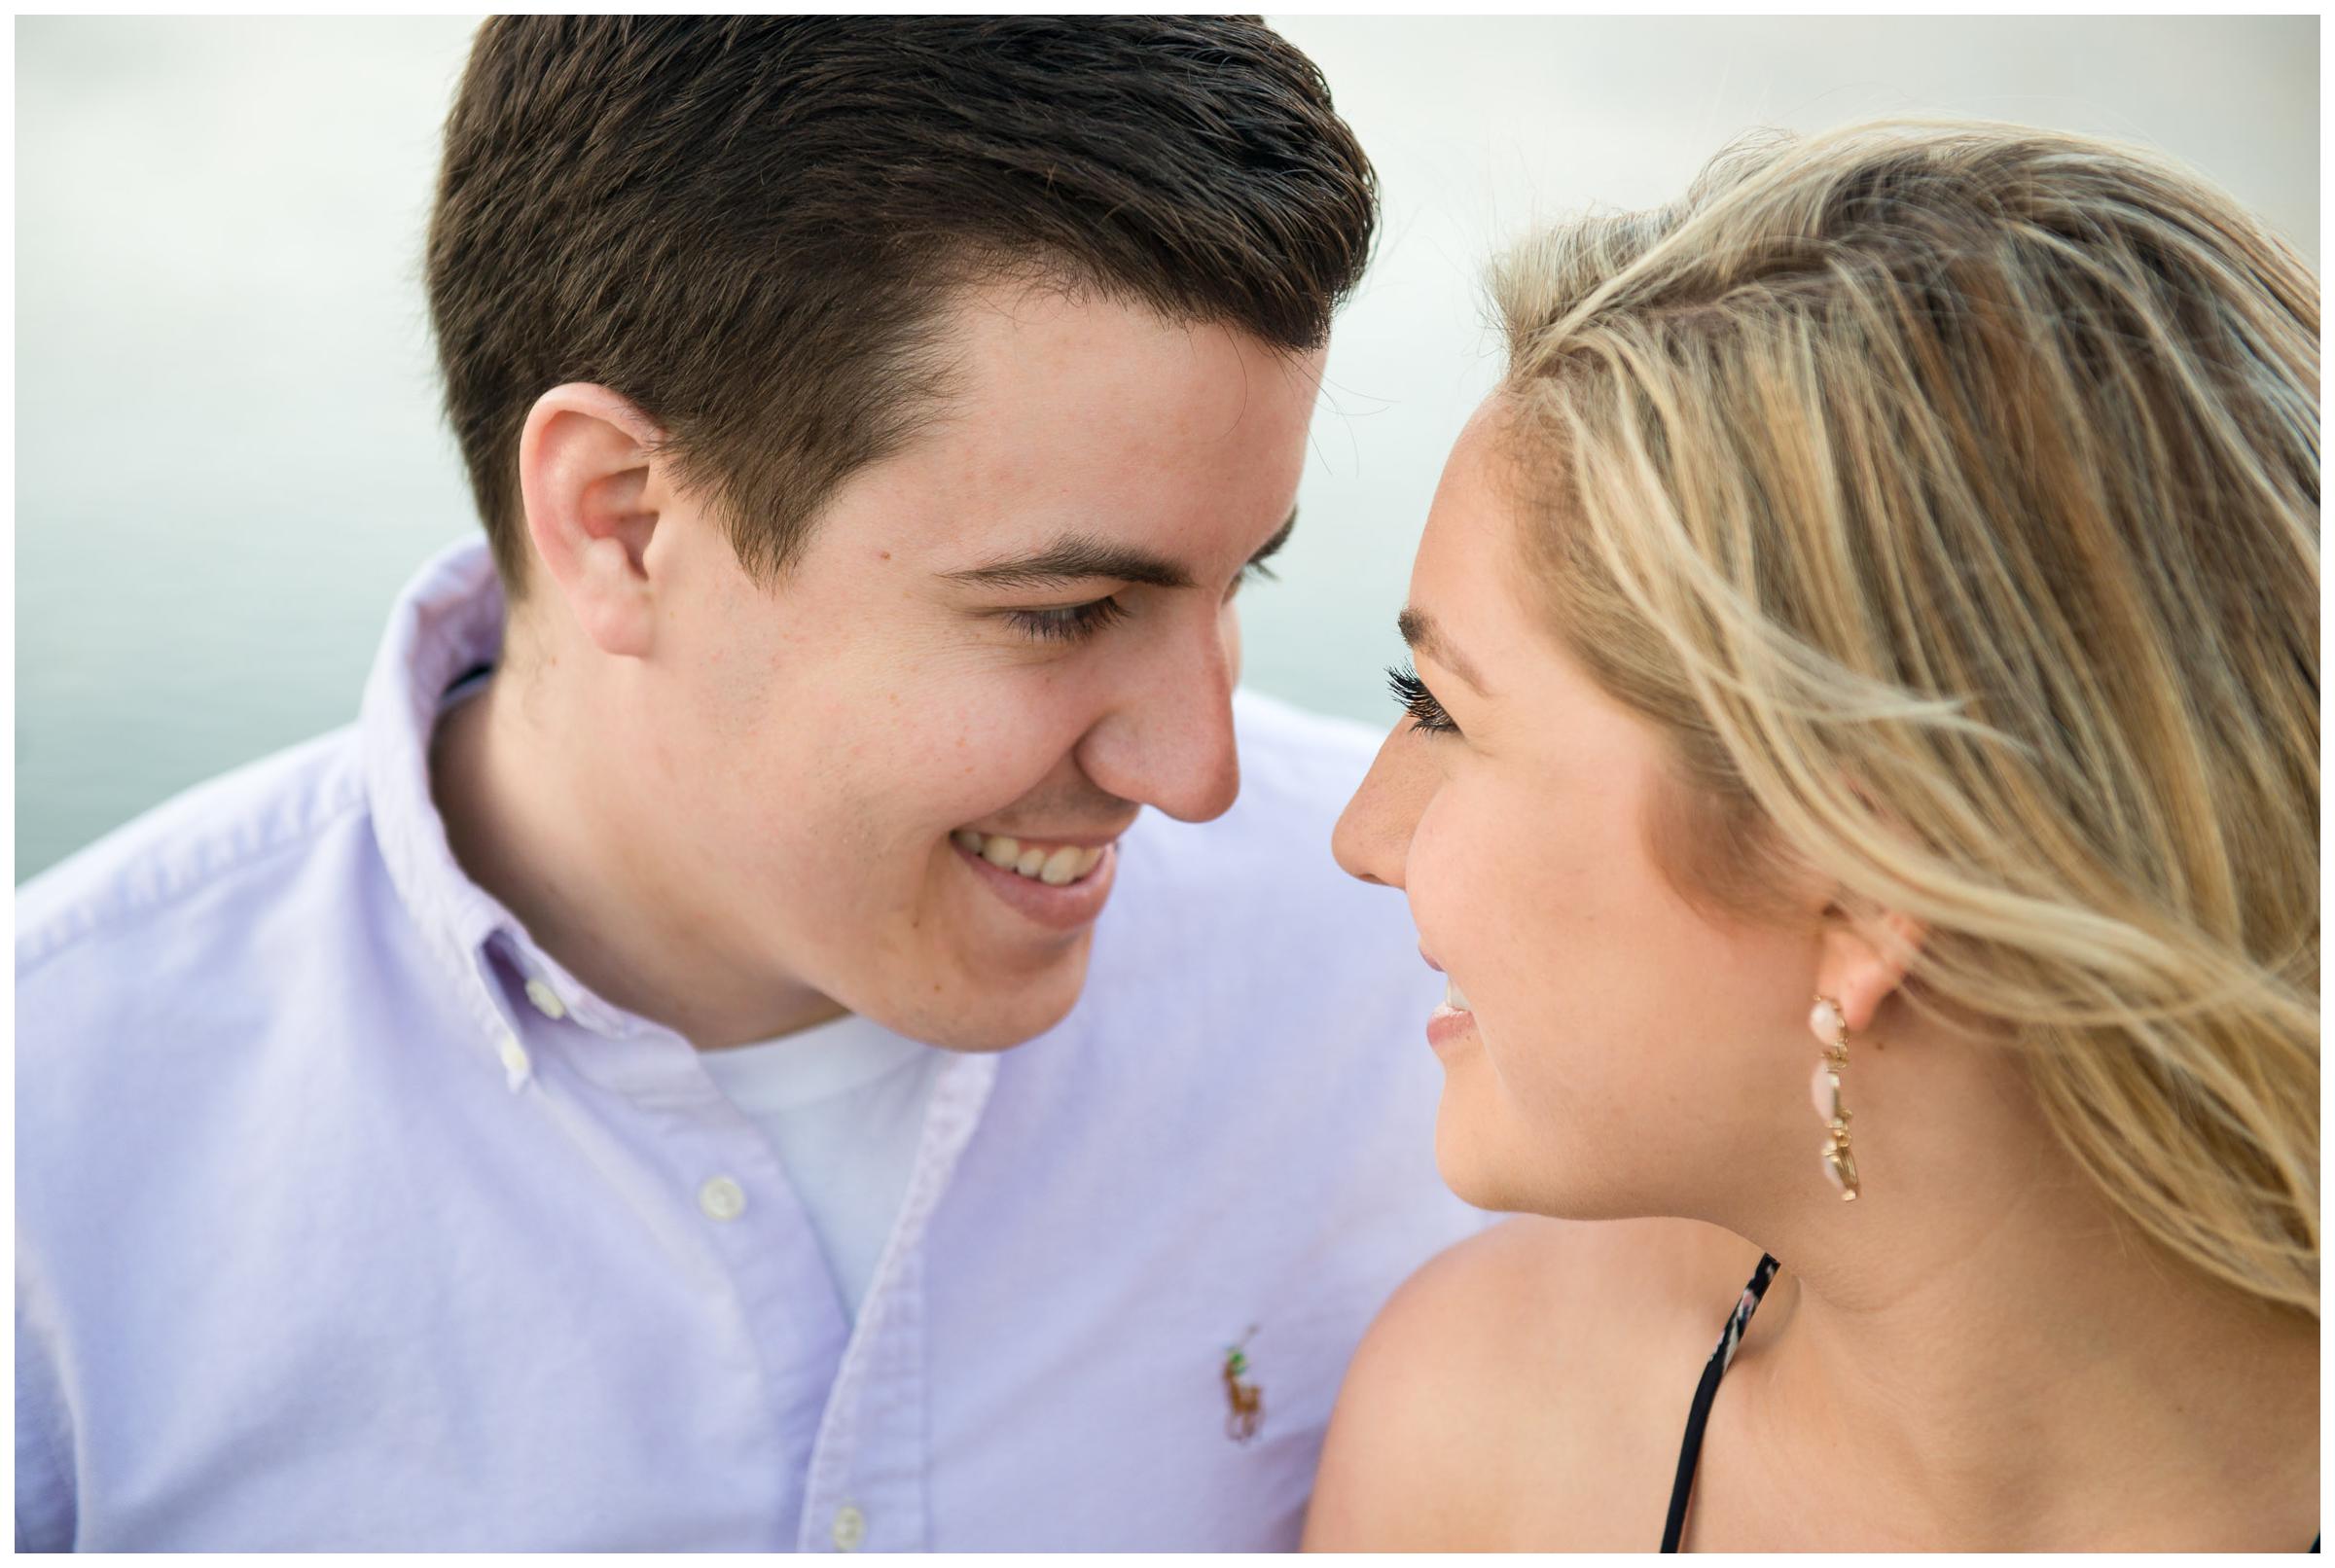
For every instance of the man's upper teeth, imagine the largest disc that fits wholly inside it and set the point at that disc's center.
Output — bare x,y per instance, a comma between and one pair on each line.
1051,863
1452,995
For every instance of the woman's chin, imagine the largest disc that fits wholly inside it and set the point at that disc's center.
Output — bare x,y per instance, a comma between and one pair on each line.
1474,1170
1489,1171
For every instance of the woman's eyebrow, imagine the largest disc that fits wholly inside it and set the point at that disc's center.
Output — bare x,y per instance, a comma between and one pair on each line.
1425,636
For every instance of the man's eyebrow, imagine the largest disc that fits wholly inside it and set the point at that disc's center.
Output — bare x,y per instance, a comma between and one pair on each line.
1076,558
1421,631
1082,557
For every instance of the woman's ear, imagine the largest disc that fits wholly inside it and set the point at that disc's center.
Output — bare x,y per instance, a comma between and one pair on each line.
1863,962
583,458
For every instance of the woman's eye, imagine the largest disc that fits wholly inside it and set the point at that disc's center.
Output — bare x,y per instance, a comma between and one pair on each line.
1419,702
1070,622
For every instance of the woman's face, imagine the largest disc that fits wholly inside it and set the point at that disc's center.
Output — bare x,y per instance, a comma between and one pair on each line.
1620,1051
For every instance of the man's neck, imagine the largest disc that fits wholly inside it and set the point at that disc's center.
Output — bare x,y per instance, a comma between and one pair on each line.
527,824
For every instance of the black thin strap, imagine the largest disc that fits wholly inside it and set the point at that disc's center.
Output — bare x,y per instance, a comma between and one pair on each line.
1691,1450
1707,1389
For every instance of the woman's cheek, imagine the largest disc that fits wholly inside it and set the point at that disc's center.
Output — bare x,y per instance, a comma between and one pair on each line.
1431,870
1460,877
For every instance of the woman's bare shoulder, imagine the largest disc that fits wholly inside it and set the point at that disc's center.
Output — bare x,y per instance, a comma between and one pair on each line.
1527,1389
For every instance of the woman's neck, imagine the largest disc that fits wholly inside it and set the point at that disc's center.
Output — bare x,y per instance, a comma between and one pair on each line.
1982,1351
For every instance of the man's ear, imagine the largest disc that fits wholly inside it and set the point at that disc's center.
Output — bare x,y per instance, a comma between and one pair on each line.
1863,961
584,481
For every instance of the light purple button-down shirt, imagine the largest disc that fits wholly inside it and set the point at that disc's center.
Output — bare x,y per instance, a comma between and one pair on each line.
346,1218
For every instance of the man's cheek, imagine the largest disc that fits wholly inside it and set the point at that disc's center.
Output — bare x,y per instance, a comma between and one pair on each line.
996,753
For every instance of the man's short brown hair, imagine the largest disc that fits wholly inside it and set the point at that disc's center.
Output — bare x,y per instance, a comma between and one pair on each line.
749,226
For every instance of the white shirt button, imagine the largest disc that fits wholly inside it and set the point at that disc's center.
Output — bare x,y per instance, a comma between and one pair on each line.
546,1000
850,1528
515,1054
722,1198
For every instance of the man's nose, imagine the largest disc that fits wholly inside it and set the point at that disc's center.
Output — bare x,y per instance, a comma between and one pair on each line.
1373,836
1170,742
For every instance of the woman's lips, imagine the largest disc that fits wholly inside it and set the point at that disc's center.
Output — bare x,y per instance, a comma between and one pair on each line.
1455,1020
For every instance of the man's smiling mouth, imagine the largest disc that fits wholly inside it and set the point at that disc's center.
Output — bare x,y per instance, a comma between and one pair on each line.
1053,864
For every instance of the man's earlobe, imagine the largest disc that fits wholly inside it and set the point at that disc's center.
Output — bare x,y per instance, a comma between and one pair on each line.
584,460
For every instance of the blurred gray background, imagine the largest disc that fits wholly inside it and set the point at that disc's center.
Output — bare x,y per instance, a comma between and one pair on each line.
229,450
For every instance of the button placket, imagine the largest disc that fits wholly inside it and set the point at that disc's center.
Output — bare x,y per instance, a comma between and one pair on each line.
882,1373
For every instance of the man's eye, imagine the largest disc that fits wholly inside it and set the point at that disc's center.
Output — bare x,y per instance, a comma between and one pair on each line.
1413,693
1070,622
1253,572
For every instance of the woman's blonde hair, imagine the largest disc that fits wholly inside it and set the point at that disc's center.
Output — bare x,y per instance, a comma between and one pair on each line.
1948,492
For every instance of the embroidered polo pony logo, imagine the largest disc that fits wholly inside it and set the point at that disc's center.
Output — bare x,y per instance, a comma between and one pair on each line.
1246,1400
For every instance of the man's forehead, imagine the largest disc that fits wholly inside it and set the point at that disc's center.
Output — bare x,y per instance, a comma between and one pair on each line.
1048,359
1100,436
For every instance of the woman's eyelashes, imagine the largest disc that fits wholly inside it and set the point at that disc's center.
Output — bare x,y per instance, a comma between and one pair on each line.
1419,702
1075,622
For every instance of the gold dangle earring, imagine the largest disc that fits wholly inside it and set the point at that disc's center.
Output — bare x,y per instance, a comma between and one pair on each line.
1831,1026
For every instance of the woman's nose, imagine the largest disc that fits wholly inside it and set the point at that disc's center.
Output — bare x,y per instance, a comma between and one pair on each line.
1373,836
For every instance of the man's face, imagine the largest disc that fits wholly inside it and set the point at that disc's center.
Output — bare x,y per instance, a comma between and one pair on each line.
1022,628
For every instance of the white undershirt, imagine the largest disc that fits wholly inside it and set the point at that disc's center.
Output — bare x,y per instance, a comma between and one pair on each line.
842,1105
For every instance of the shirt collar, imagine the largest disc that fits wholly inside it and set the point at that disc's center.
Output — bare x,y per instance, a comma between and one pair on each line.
448,622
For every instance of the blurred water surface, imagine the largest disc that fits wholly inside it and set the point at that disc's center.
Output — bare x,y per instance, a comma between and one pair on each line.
229,449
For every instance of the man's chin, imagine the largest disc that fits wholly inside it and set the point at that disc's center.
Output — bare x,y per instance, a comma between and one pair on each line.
992,1009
